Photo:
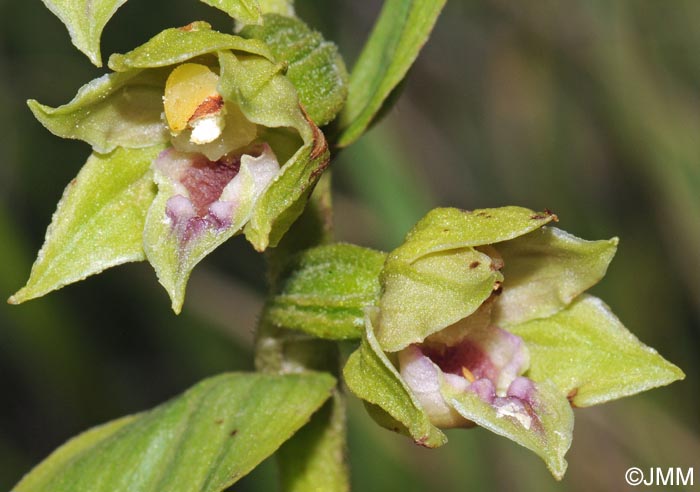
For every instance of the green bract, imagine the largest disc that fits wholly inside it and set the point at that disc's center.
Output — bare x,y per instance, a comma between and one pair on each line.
241,155
481,319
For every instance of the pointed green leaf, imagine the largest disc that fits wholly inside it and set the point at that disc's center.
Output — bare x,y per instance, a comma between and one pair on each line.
267,98
314,65
244,11
435,291
98,223
117,109
177,45
401,31
545,270
314,460
547,431
443,229
85,20
591,356
372,377
325,291
203,441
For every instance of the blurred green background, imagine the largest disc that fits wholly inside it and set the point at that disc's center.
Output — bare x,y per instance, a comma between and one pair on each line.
591,109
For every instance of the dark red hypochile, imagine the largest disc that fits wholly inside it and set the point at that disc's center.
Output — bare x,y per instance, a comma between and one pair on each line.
205,180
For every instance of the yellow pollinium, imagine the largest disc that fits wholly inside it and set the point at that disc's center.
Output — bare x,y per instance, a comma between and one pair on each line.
187,87
468,375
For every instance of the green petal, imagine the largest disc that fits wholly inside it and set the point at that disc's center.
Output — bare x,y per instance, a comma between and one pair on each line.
267,98
85,20
313,64
115,110
204,440
550,437
98,223
177,45
326,289
435,291
591,356
372,377
545,270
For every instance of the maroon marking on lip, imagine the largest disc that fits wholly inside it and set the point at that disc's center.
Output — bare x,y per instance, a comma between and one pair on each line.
205,181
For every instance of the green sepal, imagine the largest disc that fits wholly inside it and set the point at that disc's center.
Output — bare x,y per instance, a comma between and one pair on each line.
443,229
372,377
313,65
401,31
115,110
176,45
244,11
85,20
591,356
436,277
545,270
548,434
204,440
325,291
98,223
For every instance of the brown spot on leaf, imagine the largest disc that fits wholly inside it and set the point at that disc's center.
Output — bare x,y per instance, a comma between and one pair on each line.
233,432
572,394
211,105
474,264
188,27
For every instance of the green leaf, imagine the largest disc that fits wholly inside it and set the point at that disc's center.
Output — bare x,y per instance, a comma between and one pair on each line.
325,291
267,98
372,377
548,432
85,20
436,277
98,223
177,45
435,291
591,356
313,64
244,11
314,460
115,110
398,36
204,440
545,270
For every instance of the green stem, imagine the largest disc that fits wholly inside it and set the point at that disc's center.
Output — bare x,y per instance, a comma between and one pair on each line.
315,458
